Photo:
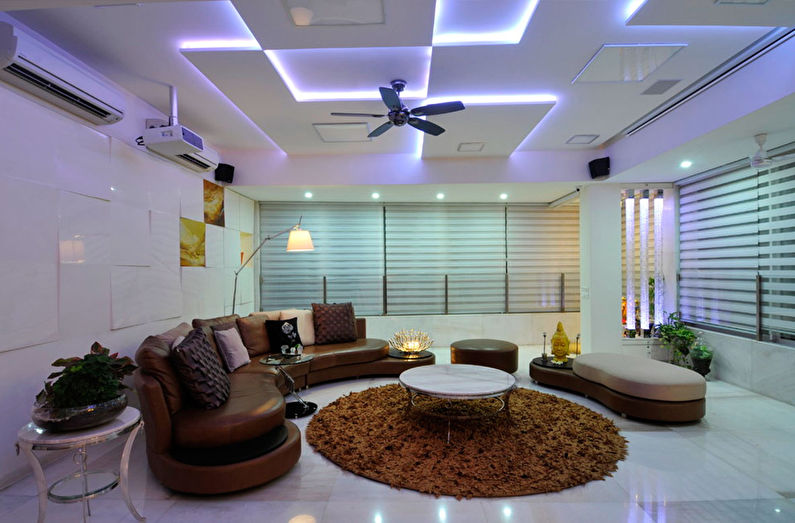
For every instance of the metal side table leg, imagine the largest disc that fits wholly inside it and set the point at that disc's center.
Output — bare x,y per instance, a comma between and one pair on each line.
124,469
38,473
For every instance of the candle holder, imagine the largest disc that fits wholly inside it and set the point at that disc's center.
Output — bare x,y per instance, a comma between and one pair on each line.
410,344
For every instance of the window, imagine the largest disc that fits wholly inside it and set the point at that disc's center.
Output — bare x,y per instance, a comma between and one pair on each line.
425,259
737,242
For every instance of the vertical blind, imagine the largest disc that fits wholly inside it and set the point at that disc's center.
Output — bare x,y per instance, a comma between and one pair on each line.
732,227
430,259
637,254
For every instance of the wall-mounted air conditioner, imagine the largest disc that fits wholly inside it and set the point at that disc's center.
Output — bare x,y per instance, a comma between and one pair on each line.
56,77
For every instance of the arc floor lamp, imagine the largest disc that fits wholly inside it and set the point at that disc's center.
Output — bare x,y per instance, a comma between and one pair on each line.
298,241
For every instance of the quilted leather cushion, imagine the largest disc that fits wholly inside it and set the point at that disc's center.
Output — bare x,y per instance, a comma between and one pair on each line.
255,407
334,323
200,372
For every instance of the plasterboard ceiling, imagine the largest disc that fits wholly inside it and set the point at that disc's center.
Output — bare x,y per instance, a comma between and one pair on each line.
772,13
236,99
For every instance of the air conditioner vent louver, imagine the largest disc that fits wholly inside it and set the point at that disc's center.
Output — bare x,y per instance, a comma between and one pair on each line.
195,161
44,84
33,65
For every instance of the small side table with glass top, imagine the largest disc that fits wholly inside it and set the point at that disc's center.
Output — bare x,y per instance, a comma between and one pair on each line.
293,409
82,485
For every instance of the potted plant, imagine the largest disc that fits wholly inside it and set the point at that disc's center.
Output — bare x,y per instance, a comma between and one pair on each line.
679,338
88,391
701,356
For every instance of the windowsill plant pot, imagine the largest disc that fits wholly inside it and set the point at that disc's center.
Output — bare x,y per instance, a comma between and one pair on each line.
701,356
88,391
679,338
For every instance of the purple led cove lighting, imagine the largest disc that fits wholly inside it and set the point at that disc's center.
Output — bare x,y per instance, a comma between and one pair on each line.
234,44
511,30
304,60
495,99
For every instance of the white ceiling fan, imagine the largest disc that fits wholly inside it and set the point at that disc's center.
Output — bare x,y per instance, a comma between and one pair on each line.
761,159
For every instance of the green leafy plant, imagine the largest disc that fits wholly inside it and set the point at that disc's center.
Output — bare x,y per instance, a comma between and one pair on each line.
92,379
701,352
679,337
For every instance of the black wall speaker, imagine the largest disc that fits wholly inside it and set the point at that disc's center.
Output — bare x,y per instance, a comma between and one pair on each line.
224,173
600,168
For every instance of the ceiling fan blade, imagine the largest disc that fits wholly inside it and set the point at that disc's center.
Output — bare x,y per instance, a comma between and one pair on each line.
381,129
426,126
359,115
441,108
390,98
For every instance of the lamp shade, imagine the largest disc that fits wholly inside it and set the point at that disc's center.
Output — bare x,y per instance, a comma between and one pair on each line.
299,240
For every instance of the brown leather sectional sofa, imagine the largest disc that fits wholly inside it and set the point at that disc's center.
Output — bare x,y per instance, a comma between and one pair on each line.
247,441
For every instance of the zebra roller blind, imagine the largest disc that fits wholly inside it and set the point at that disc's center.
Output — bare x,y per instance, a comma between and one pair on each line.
348,251
424,259
732,227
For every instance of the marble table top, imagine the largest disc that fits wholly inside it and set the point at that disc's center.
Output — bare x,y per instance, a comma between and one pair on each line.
40,438
457,381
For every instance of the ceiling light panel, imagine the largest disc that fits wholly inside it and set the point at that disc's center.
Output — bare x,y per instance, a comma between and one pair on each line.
323,12
481,22
342,132
314,75
626,62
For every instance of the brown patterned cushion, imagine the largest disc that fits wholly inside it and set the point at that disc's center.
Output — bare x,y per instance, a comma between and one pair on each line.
200,372
334,322
255,337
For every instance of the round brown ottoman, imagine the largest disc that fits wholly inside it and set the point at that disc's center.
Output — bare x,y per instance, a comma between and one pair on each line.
496,354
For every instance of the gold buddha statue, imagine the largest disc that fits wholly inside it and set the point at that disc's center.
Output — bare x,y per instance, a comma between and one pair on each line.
560,345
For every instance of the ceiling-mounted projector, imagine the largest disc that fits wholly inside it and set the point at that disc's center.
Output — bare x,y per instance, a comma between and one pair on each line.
172,140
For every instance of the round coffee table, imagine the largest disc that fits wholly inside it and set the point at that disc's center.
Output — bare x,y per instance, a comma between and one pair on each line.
459,382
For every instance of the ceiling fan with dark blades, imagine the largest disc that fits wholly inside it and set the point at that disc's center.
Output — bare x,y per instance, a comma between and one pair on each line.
400,115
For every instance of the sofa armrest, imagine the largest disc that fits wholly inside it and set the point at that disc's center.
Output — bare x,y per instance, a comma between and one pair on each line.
361,328
154,410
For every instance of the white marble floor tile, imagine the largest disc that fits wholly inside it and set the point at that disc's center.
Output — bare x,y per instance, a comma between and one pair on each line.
740,511
664,466
428,510
210,510
592,512
735,465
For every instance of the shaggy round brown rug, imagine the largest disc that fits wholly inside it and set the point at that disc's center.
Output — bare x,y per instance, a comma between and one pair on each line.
551,445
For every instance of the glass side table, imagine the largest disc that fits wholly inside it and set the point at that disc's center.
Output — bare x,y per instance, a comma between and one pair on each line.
293,409
82,485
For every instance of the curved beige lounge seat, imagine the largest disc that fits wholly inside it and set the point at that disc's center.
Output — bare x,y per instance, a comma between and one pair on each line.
632,385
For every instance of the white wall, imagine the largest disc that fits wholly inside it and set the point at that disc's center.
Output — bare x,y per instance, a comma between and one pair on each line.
765,368
520,328
65,183
600,267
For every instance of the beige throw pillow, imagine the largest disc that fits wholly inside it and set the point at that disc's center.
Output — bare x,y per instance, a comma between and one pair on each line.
306,326
232,350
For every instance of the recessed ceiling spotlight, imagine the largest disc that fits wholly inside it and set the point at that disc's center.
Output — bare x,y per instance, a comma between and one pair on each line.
375,196
307,194
686,164
504,196
440,196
